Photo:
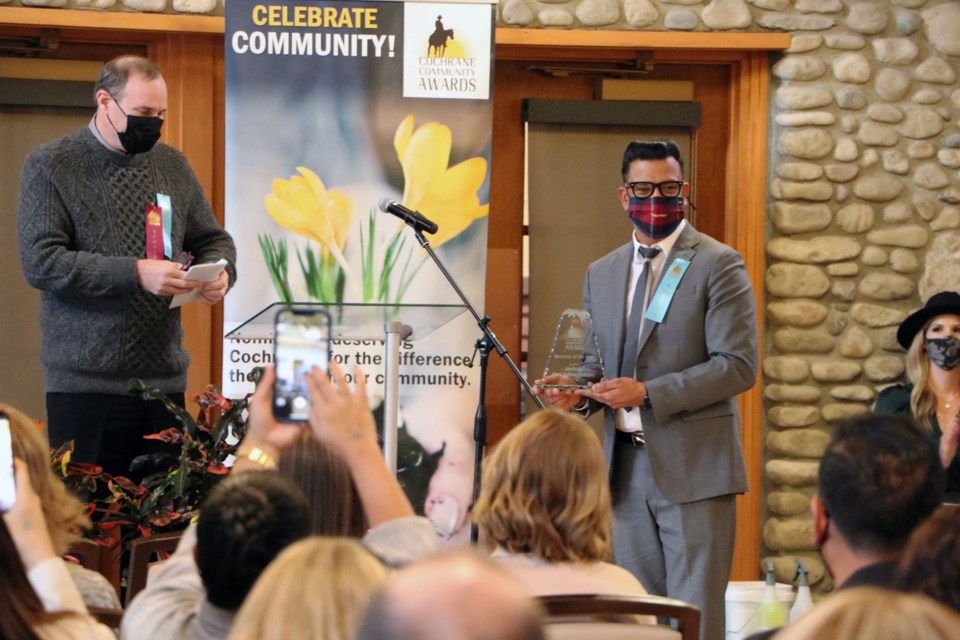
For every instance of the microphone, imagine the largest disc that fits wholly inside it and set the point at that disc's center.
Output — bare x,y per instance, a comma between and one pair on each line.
415,219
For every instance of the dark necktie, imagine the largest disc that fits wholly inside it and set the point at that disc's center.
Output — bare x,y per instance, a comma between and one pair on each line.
641,295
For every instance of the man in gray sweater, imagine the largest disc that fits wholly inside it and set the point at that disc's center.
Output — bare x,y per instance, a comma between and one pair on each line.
107,218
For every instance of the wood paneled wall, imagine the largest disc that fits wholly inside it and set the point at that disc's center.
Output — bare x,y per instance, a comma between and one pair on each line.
193,68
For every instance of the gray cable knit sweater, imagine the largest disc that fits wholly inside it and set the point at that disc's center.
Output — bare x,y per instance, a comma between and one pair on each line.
81,231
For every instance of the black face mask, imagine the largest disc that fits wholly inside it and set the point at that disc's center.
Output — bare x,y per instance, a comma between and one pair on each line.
141,134
944,352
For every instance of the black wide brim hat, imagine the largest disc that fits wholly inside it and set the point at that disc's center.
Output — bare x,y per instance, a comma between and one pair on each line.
939,304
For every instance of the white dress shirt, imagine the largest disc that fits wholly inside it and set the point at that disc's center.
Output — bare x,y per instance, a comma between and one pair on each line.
630,421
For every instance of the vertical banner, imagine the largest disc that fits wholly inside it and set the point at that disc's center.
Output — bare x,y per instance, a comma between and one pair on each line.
331,106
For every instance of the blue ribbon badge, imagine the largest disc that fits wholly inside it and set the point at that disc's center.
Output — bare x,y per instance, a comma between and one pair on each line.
657,308
163,201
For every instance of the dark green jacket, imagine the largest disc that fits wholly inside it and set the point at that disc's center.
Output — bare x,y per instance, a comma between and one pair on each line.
896,399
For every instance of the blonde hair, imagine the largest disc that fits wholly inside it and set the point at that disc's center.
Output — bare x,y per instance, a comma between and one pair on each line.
65,515
878,614
545,491
317,588
922,401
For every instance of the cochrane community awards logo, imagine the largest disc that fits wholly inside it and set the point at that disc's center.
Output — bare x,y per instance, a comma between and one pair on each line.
447,51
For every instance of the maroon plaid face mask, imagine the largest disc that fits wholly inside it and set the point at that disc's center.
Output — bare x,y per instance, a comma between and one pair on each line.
656,217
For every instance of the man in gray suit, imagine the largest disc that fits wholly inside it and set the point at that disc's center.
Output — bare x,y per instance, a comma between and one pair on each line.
676,328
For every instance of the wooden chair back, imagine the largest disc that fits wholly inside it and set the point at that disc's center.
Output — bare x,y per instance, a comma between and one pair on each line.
143,552
608,617
103,560
109,617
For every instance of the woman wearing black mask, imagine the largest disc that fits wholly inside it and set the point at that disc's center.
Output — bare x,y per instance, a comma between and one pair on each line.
931,336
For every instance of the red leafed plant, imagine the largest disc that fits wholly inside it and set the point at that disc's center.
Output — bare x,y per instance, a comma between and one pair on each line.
166,499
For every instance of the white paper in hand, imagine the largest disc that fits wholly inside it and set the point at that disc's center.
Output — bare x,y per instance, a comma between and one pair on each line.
205,273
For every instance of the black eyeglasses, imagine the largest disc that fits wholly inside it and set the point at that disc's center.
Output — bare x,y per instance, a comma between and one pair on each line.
668,188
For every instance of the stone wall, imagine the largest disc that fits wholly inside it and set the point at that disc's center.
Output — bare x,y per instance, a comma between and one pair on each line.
863,207
208,7
863,227
863,216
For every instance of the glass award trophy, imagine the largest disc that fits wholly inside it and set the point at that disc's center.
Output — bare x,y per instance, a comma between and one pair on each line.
574,353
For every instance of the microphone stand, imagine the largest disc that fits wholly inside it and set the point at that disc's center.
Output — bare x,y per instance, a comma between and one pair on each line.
484,345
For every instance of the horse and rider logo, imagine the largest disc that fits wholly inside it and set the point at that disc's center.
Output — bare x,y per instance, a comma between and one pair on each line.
437,64
437,42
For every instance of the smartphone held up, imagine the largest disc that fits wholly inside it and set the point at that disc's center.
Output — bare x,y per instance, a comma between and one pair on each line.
301,341
8,488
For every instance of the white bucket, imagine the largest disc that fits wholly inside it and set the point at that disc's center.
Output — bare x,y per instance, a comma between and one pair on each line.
742,603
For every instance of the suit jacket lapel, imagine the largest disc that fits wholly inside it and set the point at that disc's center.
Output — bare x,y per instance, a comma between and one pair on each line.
618,280
684,248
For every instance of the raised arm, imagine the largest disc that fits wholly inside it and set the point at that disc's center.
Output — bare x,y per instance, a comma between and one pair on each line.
341,418
264,434
46,571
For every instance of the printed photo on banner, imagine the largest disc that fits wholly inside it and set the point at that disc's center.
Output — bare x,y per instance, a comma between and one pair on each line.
319,129
447,51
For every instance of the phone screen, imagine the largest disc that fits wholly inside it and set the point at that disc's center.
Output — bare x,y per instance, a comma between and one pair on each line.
8,490
301,342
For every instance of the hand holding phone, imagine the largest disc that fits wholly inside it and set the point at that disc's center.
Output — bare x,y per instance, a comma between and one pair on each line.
301,341
263,430
26,523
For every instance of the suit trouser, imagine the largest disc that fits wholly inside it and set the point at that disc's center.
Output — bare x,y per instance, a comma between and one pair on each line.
683,551
108,430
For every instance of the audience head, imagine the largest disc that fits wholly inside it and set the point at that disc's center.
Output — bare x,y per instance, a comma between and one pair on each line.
324,479
929,336
877,614
64,513
244,523
880,476
316,588
930,564
456,596
20,607
545,491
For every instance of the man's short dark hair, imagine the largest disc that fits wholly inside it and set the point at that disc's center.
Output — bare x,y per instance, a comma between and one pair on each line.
649,150
245,522
880,476
114,75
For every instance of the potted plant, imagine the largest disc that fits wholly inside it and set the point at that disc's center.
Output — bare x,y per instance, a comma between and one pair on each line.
165,500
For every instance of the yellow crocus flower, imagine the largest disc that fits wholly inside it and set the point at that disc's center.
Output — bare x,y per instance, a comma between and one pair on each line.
447,195
304,206
341,207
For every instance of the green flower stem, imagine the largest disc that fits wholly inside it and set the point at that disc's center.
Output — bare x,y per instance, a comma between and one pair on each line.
406,280
275,257
323,275
366,255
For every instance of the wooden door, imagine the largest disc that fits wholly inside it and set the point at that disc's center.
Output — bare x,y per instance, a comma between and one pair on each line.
728,168
514,81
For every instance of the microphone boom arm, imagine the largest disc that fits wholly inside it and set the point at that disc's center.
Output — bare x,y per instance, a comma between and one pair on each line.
483,323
